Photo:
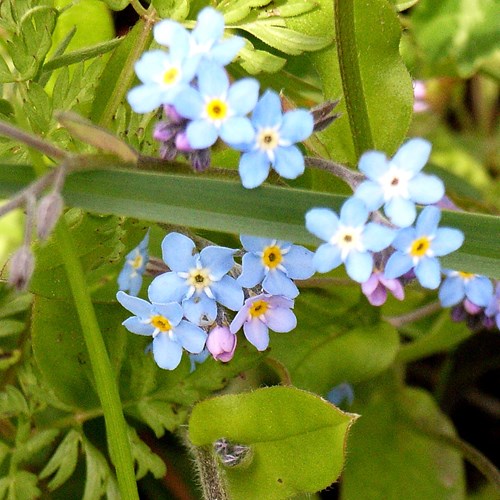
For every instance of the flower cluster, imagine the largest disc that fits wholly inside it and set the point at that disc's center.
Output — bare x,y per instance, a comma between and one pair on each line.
190,304
201,105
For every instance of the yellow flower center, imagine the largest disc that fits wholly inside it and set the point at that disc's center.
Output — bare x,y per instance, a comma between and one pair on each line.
272,256
170,76
258,308
268,139
466,276
161,323
199,278
216,109
420,247
137,262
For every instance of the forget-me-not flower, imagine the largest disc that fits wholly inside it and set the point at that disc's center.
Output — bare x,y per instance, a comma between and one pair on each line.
218,109
274,264
397,183
261,313
375,288
274,143
221,343
130,277
348,239
458,286
197,281
493,309
418,248
165,324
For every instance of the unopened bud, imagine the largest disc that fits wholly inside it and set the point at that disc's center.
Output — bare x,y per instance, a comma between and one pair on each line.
22,265
47,214
182,142
322,115
200,159
221,343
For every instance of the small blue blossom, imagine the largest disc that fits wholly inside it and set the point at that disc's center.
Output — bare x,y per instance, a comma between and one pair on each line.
458,286
274,264
493,309
130,277
205,41
398,184
197,281
274,142
348,239
165,324
262,313
340,394
418,248
198,359
218,109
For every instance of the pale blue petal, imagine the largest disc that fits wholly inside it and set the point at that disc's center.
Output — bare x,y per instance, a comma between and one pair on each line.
277,283
298,262
151,64
237,130
172,311
257,334
267,112
297,125
281,320
397,265
242,96
400,211
277,301
167,287
413,155
426,189
373,164
145,98
212,80
479,291
201,134
218,259
255,243
225,51
353,212
239,319
451,291
130,280
190,336
166,352
253,169
135,305
404,239
371,193
322,222
200,309
428,221
168,33
135,325
228,292
447,240
209,26
177,252
253,271
377,237
359,265
428,272
326,258
189,104
289,162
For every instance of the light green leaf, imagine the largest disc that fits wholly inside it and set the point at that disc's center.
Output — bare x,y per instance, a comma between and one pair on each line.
98,472
172,9
21,484
63,461
116,4
11,327
254,61
236,10
13,403
296,440
37,442
290,8
5,74
146,460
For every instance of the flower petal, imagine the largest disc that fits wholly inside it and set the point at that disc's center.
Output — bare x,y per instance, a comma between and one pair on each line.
257,334
242,96
168,287
451,291
447,240
413,155
201,134
253,169
200,309
277,283
253,271
404,238
237,130
226,50
166,352
359,265
373,164
428,272
135,325
281,320
297,125
135,305
377,237
144,98
353,212
177,252
322,222
218,259
255,243
172,311
426,189
289,162
400,211
298,263
212,80
190,336
228,292
239,319
189,104
267,112
479,291
428,221
371,193
209,26
397,265
326,258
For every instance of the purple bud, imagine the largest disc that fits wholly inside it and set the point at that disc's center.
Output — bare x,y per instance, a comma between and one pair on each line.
221,343
200,159
172,115
47,214
471,308
182,142
458,313
22,265
164,131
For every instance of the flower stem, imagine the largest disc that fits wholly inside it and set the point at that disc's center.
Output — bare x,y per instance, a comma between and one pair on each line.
210,476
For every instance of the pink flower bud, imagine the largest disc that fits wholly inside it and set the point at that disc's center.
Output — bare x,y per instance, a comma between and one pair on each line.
221,343
47,214
22,265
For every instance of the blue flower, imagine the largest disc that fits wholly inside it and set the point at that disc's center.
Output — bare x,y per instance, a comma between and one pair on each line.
165,324
198,359
493,309
340,394
459,285
130,277
163,76
218,109
275,136
261,313
274,264
348,239
419,248
205,41
197,281
398,184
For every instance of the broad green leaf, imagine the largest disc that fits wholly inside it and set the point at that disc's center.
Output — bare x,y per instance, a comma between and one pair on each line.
224,205
116,4
296,440
172,9
63,461
390,455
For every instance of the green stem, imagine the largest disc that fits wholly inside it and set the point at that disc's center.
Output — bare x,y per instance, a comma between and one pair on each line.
350,73
116,427
210,474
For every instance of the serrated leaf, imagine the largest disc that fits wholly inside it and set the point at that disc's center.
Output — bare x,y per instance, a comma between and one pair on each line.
21,484
25,451
5,74
254,61
146,460
296,440
289,8
13,402
97,473
236,10
172,9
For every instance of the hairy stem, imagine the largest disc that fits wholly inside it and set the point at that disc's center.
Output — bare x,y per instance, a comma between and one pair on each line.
350,177
210,475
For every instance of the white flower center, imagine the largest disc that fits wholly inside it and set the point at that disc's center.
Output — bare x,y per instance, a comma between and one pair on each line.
348,238
198,280
394,183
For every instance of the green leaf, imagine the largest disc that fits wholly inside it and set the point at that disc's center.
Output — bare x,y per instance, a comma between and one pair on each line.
146,460
254,61
116,4
224,205
236,10
391,458
296,440
37,442
11,327
177,10
5,74
13,403
98,473
63,461
21,484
